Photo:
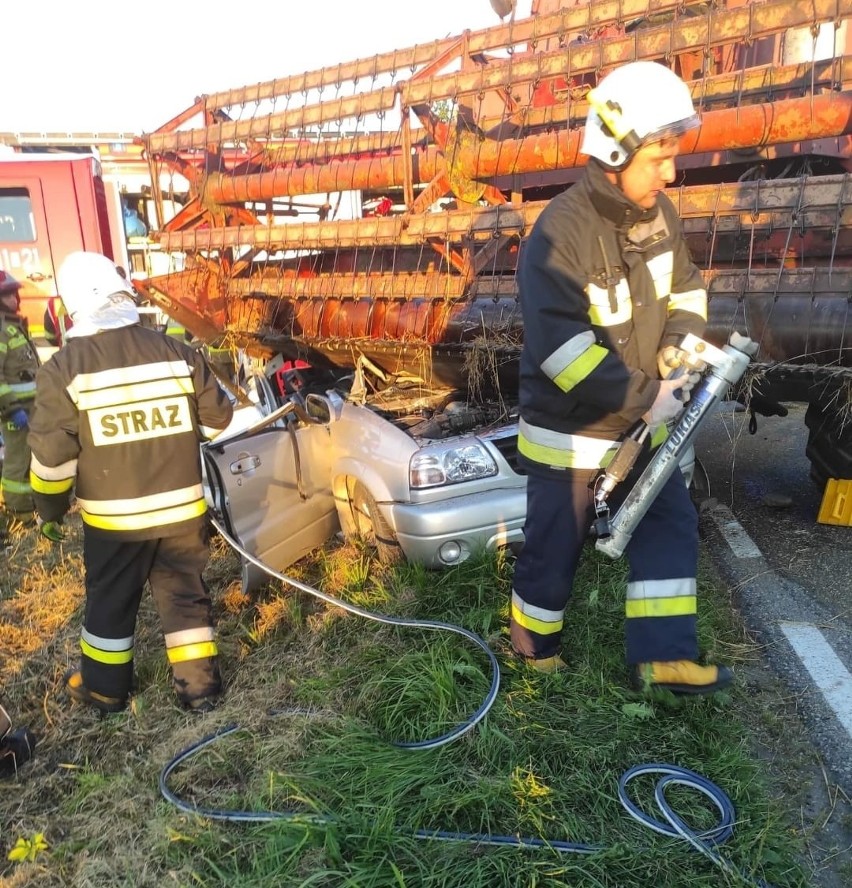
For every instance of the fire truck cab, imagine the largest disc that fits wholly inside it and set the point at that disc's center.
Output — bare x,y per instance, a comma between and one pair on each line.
50,205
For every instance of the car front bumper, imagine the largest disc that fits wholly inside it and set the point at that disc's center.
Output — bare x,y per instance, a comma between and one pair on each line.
440,534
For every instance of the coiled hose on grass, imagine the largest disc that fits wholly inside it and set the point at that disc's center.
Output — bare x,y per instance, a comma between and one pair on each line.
672,824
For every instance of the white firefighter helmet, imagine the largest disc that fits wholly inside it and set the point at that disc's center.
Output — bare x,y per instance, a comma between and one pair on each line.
638,103
96,296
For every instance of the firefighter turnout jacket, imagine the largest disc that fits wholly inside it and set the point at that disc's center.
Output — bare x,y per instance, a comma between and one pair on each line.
18,366
122,414
612,285
604,285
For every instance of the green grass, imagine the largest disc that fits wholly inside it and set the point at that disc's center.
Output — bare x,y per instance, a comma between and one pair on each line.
544,763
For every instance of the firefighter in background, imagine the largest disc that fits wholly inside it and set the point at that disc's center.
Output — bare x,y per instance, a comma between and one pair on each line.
18,366
607,292
121,410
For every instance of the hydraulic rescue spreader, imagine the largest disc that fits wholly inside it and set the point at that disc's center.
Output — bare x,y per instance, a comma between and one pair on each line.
725,367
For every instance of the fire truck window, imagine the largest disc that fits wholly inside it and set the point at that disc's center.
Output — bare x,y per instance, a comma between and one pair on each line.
16,216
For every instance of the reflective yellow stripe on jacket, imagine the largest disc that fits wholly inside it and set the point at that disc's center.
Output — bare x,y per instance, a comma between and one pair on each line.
142,512
52,479
574,360
562,450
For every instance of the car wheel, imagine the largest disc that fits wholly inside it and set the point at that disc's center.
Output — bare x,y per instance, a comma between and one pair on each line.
372,527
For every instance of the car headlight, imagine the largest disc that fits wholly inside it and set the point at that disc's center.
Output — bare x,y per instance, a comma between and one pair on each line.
449,464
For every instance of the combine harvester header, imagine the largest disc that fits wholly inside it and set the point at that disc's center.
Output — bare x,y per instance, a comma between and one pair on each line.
378,207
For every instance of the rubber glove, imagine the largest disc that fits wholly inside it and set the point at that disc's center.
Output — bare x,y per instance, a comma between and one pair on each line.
17,420
51,530
668,403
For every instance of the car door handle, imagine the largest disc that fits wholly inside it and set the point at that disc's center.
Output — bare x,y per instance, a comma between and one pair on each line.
245,462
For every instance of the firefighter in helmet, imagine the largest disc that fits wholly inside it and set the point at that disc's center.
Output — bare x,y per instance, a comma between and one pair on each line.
607,292
18,365
120,411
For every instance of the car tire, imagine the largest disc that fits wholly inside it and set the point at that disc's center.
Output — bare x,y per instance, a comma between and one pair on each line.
371,526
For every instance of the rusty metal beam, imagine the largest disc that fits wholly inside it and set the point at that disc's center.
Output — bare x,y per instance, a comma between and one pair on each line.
798,315
810,284
346,285
746,86
750,22
746,209
764,222
794,315
577,19
734,88
719,28
790,120
803,194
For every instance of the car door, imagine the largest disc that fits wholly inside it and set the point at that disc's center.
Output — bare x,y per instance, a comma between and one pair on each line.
271,486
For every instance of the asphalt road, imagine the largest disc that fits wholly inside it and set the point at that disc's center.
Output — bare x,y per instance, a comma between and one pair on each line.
790,573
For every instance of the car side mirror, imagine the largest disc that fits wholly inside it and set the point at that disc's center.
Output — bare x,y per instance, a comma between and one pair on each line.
325,408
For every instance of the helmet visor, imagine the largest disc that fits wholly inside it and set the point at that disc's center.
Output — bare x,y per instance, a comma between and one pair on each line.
673,130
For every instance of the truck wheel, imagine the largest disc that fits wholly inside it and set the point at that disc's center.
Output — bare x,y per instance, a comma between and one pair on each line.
829,446
372,527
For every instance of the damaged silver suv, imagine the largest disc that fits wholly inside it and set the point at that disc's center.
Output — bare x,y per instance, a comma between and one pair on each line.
423,474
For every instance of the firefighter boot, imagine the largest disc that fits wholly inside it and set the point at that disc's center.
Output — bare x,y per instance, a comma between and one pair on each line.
681,677
547,665
78,691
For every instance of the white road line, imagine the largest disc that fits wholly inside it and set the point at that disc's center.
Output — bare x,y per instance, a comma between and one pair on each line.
825,668
740,542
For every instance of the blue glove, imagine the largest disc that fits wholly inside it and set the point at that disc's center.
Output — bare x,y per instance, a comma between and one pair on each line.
17,420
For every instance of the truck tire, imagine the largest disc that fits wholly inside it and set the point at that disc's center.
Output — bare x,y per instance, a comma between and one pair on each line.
371,526
829,446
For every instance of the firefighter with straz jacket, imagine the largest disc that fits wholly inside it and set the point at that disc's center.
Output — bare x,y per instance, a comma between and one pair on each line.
18,365
608,291
119,414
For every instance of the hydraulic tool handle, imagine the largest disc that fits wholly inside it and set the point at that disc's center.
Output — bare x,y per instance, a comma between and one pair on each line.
709,391
628,452
620,465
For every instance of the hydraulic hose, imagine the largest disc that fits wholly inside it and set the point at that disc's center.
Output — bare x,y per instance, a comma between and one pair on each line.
672,825
433,625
